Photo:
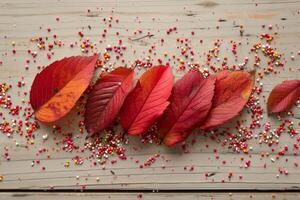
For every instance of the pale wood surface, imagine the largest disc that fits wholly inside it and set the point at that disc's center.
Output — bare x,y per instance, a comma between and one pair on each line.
149,196
20,20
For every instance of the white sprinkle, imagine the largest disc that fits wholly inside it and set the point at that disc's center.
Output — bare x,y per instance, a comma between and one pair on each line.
45,137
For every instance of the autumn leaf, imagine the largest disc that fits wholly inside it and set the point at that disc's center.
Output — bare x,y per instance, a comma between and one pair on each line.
106,98
148,100
283,96
232,90
191,100
56,89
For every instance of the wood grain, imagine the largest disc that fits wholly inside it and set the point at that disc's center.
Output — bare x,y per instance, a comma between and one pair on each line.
146,196
21,20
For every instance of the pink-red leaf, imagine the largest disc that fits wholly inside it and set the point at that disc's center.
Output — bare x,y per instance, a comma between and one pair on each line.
56,89
232,90
148,100
106,98
191,100
283,96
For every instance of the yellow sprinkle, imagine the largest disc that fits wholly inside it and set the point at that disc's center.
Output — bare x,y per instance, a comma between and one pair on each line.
67,164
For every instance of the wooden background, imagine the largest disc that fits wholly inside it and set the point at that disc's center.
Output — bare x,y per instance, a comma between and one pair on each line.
21,20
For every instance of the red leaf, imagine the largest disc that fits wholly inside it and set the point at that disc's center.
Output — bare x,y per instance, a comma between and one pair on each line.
56,89
191,100
283,96
232,91
106,99
148,100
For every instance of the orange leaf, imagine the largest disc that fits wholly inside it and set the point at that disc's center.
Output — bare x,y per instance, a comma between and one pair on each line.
232,91
283,96
57,88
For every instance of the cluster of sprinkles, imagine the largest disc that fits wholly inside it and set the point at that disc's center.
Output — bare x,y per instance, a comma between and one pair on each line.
111,145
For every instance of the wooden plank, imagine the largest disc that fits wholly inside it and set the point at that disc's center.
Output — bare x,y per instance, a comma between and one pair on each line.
146,196
20,21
